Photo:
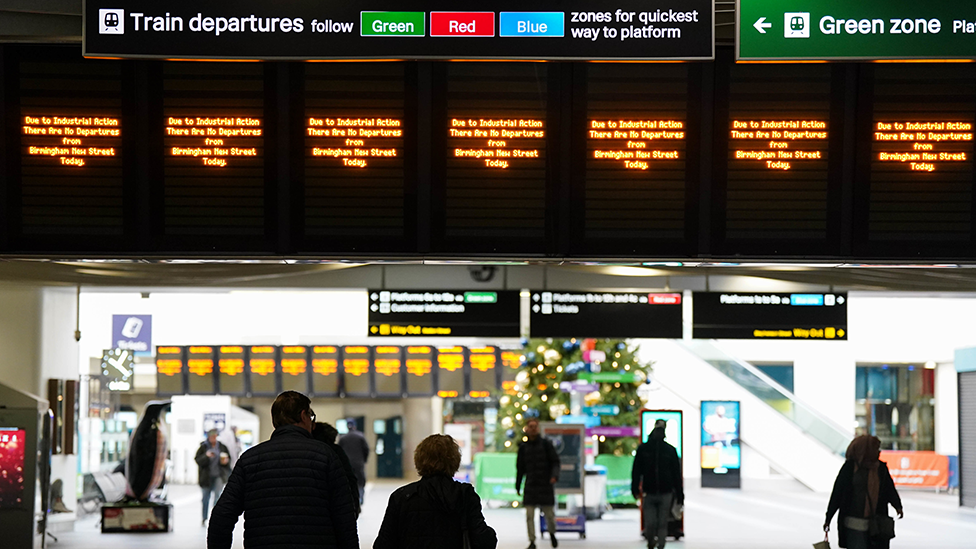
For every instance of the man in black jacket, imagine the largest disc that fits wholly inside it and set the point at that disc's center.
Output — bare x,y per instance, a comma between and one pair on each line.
656,476
538,463
213,468
327,433
293,489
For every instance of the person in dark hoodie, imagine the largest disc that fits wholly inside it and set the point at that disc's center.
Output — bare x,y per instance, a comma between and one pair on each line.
656,477
327,433
436,511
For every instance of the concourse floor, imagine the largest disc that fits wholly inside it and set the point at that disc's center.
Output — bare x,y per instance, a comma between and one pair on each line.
770,515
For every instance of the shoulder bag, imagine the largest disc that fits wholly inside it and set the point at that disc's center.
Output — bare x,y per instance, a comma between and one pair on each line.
880,526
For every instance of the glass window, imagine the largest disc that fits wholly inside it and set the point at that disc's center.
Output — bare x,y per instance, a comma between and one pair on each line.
896,403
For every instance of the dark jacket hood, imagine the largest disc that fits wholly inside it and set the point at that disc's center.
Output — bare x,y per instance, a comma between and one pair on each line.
443,492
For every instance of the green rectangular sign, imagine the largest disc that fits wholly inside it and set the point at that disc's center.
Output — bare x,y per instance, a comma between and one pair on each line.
480,297
774,30
393,23
609,377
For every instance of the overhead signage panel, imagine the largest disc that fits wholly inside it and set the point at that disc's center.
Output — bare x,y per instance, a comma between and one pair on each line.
306,29
842,30
595,314
424,313
731,315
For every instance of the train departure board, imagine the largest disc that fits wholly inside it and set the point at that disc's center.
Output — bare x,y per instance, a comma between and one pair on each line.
720,315
777,165
71,162
917,160
388,370
325,370
230,370
356,361
497,161
421,313
511,364
356,165
605,314
213,139
294,368
200,370
450,371
485,371
262,367
170,373
420,370
636,161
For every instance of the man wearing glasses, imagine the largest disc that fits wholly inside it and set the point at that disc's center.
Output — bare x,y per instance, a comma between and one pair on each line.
293,487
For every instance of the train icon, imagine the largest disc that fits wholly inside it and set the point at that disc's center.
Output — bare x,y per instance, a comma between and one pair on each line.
111,21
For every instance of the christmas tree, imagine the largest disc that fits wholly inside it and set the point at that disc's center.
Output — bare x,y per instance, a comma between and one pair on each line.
548,362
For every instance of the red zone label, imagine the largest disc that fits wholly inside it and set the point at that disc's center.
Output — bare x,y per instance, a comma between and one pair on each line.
462,23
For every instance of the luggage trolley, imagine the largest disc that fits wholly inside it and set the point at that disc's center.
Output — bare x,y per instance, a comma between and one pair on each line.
673,431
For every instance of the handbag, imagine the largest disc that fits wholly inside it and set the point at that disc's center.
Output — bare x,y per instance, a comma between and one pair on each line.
880,526
825,544
677,510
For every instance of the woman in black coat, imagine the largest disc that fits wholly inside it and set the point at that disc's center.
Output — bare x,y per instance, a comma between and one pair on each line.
863,490
437,511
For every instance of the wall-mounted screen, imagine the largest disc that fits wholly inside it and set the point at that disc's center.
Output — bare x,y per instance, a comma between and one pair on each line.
230,370
605,314
170,373
294,368
13,443
731,315
356,371
388,370
425,313
450,372
262,365
325,370
200,368
673,426
721,451
420,370
484,362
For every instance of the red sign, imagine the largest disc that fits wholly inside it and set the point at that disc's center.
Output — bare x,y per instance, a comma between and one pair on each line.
924,469
462,23
664,299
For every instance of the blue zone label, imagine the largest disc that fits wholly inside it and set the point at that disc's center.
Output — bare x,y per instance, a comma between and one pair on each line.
547,24
816,300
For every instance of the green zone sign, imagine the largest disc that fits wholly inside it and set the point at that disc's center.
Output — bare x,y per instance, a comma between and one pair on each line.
609,377
788,30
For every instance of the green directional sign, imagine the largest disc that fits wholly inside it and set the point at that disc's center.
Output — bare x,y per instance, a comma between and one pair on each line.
393,23
797,30
609,377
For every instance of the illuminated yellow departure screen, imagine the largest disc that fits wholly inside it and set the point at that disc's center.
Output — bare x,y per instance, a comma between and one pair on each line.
294,368
636,150
200,365
921,154
263,365
387,365
355,149
169,371
496,159
230,369
213,144
325,370
420,365
778,136
450,372
71,162
511,363
355,364
484,370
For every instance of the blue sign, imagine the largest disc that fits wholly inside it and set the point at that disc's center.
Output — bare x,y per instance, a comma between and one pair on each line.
545,24
132,332
602,410
589,421
810,300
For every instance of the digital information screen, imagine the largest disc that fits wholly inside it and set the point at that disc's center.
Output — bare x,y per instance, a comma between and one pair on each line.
169,371
769,316
721,451
356,371
450,372
387,370
294,368
13,444
306,29
355,142
419,313
325,370
200,368
230,370
580,314
484,371
262,366
511,363
672,426
420,370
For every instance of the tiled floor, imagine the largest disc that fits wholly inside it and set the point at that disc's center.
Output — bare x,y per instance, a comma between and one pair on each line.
764,516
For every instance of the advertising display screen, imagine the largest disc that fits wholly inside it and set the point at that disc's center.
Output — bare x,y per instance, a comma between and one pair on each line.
450,372
170,374
420,370
200,368
720,315
325,370
568,441
230,370
593,314
262,367
294,368
721,452
13,443
382,29
673,426
419,313
387,370
356,371
484,371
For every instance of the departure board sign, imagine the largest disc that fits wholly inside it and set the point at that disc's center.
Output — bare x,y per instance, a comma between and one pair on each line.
325,370
924,146
200,368
212,142
294,368
421,313
866,30
720,315
262,365
169,371
72,141
502,29
230,370
636,144
511,364
356,371
778,144
593,314
450,372
387,370
420,370
498,143
355,142
485,371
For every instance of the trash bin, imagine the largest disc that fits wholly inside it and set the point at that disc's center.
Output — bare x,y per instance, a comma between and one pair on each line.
595,491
